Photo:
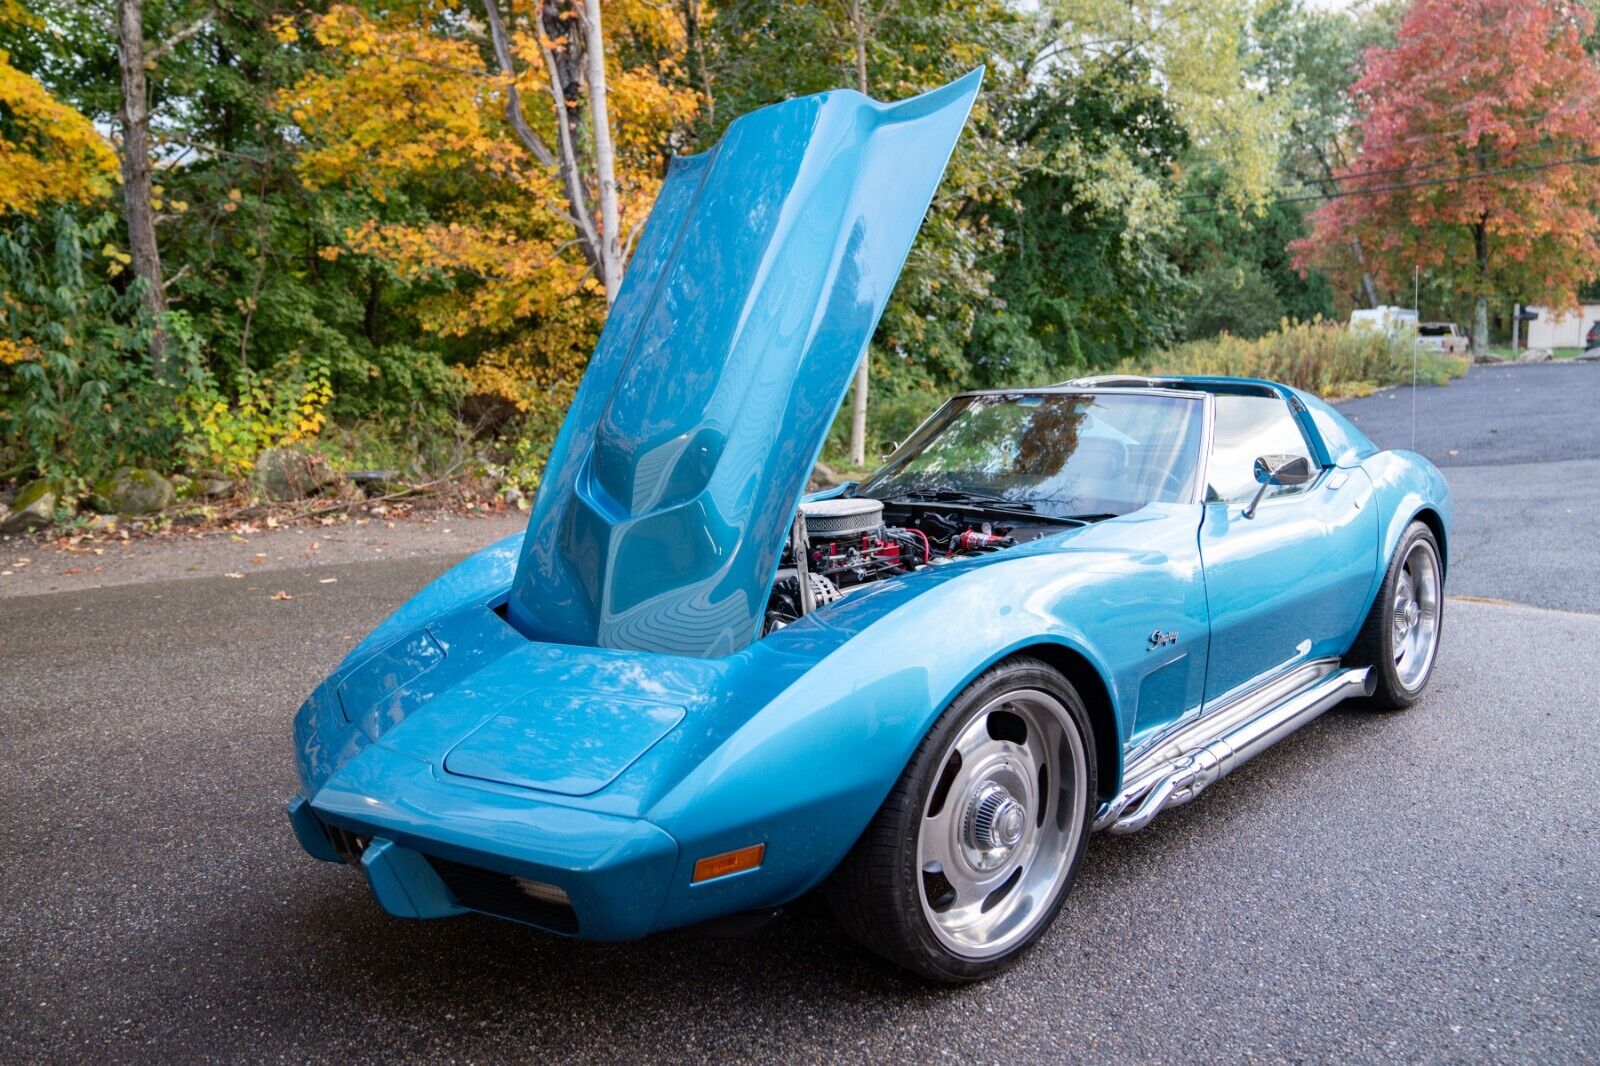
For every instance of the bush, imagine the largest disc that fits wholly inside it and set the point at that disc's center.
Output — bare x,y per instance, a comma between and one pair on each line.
1323,358
76,396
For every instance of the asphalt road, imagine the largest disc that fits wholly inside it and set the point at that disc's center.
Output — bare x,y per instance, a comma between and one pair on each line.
1520,446
1410,887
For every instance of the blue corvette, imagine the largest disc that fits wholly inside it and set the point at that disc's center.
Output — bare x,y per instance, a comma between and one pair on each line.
689,695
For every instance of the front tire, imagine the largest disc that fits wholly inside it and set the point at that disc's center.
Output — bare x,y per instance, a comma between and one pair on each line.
971,855
1400,639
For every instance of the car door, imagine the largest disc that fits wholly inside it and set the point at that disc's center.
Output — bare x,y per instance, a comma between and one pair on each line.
1289,583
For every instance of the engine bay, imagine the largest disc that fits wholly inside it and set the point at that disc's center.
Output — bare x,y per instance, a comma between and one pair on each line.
840,544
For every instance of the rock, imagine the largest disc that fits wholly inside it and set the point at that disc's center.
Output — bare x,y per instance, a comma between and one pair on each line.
1487,358
1536,355
514,498
824,476
101,522
291,474
131,490
206,485
33,508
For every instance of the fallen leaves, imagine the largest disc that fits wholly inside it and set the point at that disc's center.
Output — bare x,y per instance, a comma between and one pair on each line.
235,576
281,595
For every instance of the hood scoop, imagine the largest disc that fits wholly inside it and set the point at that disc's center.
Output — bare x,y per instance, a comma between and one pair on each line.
756,285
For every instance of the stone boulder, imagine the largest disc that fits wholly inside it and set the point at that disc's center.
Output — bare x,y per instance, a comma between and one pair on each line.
132,491
292,474
1536,355
206,485
33,508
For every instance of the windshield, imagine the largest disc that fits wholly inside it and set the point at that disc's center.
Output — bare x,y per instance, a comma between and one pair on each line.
1060,454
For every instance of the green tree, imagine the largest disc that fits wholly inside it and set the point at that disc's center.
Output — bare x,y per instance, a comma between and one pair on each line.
1083,276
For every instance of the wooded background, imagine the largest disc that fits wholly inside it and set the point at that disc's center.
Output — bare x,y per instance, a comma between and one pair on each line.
388,233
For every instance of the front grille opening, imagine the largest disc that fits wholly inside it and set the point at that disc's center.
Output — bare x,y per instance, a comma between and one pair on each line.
350,846
505,896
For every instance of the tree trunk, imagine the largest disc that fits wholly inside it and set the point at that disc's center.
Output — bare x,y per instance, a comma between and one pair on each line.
136,186
694,45
1367,285
858,408
605,161
1480,316
563,73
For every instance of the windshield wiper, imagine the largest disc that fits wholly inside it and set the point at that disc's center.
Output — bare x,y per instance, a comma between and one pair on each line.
1022,510
964,496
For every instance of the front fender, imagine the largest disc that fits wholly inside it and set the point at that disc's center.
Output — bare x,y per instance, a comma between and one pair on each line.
807,771
328,727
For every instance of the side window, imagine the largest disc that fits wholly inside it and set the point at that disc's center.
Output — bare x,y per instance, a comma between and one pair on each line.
1248,427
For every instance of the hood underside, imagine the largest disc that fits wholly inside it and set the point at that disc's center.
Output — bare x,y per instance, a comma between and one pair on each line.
756,286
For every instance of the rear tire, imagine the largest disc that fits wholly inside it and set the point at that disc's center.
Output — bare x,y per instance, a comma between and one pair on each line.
1399,640
971,855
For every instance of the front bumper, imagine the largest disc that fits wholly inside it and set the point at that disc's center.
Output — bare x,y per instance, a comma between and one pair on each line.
432,848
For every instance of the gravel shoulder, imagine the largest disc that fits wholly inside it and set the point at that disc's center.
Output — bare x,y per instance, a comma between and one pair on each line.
28,568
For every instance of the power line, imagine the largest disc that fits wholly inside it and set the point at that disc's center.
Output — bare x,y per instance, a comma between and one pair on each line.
1478,175
1354,175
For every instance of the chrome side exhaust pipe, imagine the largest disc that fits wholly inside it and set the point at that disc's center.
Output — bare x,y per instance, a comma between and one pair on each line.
1174,781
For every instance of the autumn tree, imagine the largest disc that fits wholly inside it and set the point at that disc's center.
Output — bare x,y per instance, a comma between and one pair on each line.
510,152
1476,158
49,152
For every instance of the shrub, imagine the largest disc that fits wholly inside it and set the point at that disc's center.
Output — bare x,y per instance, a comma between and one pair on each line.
76,395
1323,358
219,431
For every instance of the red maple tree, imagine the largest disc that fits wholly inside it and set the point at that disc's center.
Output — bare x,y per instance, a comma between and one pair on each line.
1478,158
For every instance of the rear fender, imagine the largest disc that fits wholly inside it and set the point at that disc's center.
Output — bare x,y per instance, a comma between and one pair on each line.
1404,485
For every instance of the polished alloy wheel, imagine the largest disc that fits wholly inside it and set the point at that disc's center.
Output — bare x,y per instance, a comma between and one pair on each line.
1002,824
1416,614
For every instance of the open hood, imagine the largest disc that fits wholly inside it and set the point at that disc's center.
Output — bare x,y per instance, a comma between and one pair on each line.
756,285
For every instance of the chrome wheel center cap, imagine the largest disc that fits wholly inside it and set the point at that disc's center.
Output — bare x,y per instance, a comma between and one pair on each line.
995,820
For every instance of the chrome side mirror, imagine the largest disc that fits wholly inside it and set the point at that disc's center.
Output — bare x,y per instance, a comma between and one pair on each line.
1278,470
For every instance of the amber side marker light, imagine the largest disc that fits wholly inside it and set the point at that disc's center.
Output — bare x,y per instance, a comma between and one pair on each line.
729,862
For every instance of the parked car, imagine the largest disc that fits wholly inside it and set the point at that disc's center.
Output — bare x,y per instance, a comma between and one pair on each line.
1442,337
688,696
1591,339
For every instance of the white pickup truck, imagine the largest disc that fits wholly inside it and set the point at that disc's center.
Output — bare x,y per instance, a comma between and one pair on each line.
1441,337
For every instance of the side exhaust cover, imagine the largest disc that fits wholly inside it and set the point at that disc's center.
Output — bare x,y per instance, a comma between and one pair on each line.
756,286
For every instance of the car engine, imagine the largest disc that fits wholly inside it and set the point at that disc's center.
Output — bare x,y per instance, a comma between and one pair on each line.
844,542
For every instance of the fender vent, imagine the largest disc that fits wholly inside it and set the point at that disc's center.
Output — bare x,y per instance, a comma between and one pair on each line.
502,896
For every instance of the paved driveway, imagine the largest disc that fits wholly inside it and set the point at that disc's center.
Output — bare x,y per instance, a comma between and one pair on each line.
1521,448
1401,887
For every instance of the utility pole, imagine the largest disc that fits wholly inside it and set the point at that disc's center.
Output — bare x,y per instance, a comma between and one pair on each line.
1516,326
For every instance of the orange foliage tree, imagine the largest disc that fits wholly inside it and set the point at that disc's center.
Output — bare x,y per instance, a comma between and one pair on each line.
49,153
482,182
1479,136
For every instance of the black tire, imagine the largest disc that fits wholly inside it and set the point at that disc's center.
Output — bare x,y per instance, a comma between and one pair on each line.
1376,646
877,892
